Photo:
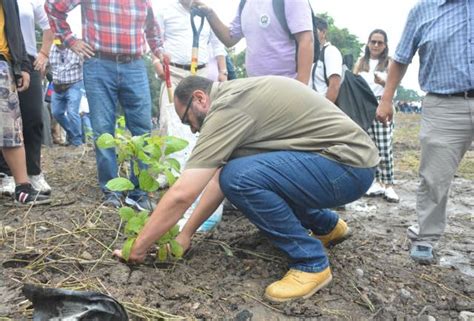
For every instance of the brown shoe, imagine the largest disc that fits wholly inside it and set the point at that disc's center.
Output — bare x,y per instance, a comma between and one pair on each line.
339,233
298,284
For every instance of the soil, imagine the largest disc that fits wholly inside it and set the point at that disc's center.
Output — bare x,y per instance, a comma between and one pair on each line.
68,245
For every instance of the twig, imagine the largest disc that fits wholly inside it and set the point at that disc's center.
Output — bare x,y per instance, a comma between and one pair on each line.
444,287
261,302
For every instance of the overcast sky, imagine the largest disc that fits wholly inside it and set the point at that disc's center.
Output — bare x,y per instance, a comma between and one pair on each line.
359,17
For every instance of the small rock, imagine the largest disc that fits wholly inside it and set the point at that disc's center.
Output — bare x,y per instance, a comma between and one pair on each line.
405,294
136,277
360,273
86,256
243,316
196,305
426,318
466,316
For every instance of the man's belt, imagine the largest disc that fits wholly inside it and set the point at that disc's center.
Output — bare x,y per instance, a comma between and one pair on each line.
187,67
118,58
465,94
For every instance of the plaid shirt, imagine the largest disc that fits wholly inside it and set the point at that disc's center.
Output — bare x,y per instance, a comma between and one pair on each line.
442,33
66,66
112,26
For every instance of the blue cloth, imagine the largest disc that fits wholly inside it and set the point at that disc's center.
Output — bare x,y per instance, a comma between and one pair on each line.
442,32
287,193
107,84
65,109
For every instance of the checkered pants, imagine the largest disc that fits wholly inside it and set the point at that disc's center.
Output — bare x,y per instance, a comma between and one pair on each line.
383,139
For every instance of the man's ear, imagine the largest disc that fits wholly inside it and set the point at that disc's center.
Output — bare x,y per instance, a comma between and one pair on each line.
202,98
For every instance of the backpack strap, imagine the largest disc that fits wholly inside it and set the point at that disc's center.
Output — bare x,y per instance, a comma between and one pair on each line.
279,10
241,6
321,57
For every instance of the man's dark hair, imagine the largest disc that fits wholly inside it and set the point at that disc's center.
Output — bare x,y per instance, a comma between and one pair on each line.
188,85
320,23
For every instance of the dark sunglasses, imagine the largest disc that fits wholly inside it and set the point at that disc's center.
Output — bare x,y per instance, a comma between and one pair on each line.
376,42
185,119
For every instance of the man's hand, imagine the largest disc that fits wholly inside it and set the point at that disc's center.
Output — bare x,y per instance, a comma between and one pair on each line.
135,256
202,7
379,80
222,77
160,71
82,49
40,63
23,83
384,112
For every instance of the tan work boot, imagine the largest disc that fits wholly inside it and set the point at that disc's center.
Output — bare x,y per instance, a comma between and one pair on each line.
298,284
339,233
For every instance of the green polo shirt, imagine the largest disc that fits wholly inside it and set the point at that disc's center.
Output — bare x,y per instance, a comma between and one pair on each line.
273,113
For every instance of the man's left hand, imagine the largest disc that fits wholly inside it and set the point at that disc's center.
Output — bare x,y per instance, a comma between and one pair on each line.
222,77
384,112
40,63
23,83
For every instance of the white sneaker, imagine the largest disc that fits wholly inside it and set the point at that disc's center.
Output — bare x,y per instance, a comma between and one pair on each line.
391,196
375,190
39,183
7,185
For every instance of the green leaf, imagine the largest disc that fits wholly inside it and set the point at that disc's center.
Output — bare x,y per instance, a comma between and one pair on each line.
120,184
153,150
147,182
143,216
174,144
143,157
106,141
134,226
174,231
176,249
174,164
127,248
169,176
126,213
162,253
136,167
121,122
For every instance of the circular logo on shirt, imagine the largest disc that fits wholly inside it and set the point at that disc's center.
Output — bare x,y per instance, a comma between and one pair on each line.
264,20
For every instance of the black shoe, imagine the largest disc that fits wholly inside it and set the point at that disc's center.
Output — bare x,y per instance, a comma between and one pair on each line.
25,194
111,199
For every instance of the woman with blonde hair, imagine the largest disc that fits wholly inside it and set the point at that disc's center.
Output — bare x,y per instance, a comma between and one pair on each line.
372,66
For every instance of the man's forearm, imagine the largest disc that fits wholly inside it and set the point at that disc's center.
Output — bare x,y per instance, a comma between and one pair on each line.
48,38
333,88
305,56
209,202
221,31
396,72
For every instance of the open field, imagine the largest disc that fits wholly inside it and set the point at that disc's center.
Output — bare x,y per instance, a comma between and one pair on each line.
68,244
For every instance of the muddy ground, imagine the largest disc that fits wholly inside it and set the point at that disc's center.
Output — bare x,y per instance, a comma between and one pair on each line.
68,244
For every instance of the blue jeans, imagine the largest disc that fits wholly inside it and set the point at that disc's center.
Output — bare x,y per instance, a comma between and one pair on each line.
65,109
287,193
109,84
86,127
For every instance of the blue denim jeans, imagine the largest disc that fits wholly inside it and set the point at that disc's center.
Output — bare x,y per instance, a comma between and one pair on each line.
109,84
65,109
287,193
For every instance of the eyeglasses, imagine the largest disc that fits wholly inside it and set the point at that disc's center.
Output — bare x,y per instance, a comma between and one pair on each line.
185,119
376,42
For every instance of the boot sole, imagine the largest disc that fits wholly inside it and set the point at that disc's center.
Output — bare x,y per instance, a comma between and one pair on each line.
306,296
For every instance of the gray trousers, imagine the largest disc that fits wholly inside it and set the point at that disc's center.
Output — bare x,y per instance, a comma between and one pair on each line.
447,131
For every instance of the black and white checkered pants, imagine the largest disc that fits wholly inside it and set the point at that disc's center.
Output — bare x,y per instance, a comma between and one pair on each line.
383,139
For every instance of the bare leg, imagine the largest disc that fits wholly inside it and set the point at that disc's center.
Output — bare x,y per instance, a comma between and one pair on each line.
16,160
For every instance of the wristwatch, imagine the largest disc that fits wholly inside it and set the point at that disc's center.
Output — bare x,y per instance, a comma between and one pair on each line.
224,72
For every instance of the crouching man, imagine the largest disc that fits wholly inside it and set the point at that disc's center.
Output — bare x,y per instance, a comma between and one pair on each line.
283,155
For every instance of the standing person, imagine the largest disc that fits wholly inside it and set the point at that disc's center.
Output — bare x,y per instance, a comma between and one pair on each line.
327,75
173,17
14,77
66,67
31,100
372,66
282,175
271,49
114,34
446,73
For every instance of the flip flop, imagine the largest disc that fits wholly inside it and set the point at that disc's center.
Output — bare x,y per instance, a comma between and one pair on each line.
422,253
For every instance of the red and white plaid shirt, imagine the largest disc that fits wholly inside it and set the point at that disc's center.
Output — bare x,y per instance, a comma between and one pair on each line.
112,26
